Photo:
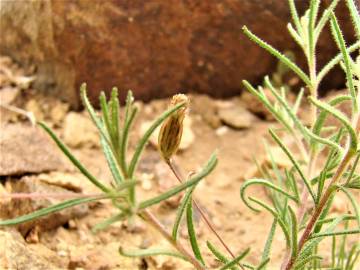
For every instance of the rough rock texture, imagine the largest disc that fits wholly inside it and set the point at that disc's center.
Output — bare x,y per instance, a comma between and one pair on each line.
15,254
79,131
27,149
153,47
237,117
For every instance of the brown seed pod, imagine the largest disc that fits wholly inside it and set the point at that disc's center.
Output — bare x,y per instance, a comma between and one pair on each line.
172,129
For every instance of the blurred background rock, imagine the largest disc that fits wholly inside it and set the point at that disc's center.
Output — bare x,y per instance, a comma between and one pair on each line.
156,48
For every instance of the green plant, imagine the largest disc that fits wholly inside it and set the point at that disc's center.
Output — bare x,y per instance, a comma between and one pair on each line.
303,226
114,138
122,191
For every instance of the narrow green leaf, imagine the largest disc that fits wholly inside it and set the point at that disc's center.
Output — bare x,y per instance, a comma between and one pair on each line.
267,248
105,113
298,101
263,264
354,184
125,138
114,101
293,184
248,266
324,213
207,169
351,174
236,260
279,202
300,264
341,117
285,105
111,161
150,252
312,242
324,18
354,261
192,233
333,62
331,219
278,55
351,254
294,162
73,159
353,201
222,258
314,8
49,210
353,257
294,231
333,251
274,165
106,223
262,97
128,105
264,183
276,216
295,35
305,131
344,232
341,255
93,115
295,16
181,211
323,114
123,155
355,16
326,172
346,57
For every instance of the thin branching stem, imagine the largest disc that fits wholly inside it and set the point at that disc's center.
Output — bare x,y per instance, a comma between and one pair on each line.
152,220
176,172
320,207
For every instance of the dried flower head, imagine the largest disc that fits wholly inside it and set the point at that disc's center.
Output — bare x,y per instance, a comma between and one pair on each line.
172,129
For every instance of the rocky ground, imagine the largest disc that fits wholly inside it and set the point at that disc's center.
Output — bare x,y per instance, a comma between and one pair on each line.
30,162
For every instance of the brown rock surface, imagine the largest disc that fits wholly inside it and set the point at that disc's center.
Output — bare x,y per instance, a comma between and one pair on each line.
153,47
27,149
15,254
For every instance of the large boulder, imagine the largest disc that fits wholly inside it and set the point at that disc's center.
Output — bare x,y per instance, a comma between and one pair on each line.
155,48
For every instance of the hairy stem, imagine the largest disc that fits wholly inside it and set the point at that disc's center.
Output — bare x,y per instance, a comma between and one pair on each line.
151,219
313,89
305,236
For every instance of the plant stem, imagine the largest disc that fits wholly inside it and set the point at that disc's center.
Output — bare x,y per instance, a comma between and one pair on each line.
151,219
203,215
313,88
305,236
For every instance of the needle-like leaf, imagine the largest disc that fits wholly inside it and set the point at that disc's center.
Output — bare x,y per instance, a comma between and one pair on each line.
181,211
236,260
192,181
73,159
192,234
